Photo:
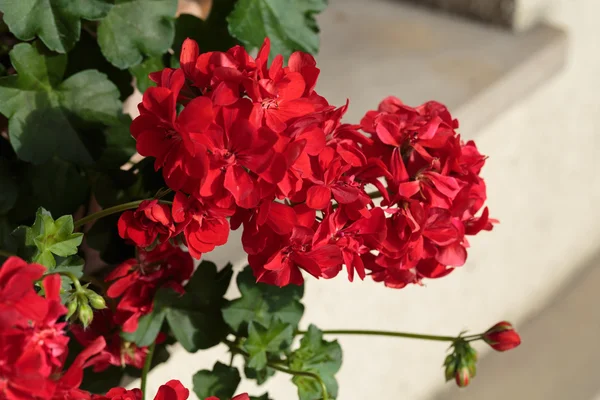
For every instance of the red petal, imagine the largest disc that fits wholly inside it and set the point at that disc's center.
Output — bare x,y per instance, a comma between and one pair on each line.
454,255
318,197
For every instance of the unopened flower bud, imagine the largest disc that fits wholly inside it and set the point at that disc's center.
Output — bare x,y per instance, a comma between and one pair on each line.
71,308
85,314
96,301
462,376
502,337
450,371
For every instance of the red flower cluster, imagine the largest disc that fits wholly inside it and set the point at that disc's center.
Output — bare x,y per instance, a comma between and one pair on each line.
136,281
240,139
117,352
33,344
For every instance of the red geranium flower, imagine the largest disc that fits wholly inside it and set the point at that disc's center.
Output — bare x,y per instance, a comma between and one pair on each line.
150,222
172,390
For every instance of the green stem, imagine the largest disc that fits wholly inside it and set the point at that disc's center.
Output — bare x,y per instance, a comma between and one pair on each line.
281,368
146,369
5,253
74,279
302,373
112,210
375,195
386,333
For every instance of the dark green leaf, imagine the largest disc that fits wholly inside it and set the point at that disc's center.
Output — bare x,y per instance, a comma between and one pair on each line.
195,318
320,357
261,302
261,376
274,339
265,396
9,190
56,22
211,34
289,24
72,264
120,146
137,28
221,382
58,186
87,55
148,328
48,117
101,382
141,72
104,237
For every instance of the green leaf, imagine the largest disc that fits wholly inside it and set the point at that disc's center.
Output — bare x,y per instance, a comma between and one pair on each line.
58,186
265,396
48,117
221,382
195,318
148,327
120,146
211,34
9,191
261,376
51,237
137,28
141,72
87,55
56,22
261,302
320,357
290,25
274,339
71,264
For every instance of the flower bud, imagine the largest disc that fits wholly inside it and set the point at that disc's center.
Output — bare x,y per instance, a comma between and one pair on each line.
85,314
71,308
96,301
462,376
502,337
450,371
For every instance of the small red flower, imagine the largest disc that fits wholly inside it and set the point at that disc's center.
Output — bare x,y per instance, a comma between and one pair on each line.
136,281
172,390
18,300
150,222
502,337
204,225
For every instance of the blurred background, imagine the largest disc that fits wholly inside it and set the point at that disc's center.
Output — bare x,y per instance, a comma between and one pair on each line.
522,76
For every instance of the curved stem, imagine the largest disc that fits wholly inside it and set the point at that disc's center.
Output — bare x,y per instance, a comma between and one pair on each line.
386,333
5,253
112,210
302,373
146,369
73,279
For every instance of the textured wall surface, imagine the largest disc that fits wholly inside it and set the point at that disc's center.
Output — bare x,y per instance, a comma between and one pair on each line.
544,186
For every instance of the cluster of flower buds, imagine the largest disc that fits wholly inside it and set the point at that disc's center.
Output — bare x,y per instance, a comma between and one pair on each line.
460,365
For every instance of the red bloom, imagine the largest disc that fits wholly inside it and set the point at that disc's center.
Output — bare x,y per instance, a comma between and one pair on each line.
150,222
136,281
117,351
18,300
204,225
243,396
168,137
172,390
280,263
502,337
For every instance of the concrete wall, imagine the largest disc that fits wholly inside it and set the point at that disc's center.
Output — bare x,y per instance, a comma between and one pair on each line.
544,186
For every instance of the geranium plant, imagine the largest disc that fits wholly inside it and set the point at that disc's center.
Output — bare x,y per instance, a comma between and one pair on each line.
228,141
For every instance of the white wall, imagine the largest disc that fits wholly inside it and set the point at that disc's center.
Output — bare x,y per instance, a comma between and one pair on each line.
544,186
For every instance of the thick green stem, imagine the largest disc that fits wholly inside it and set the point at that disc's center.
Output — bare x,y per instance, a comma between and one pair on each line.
112,210
73,279
146,369
282,368
386,333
